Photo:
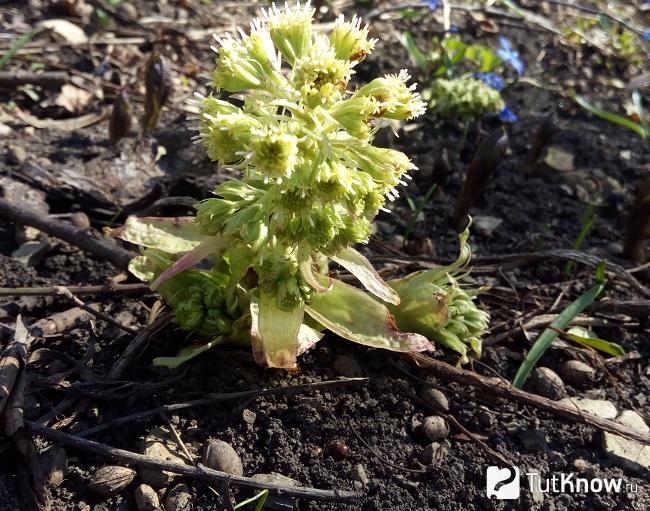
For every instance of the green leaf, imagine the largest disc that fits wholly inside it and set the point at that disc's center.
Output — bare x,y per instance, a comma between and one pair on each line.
20,42
588,338
173,235
274,332
548,336
186,354
356,316
610,116
418,58
362,269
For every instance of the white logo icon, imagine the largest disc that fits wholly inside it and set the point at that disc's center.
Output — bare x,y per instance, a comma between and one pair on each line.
502,483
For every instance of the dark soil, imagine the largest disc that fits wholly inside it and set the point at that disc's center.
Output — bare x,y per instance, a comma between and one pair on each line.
540,209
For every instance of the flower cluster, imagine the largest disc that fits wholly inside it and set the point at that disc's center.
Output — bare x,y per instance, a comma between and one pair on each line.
464,98
311,183
312,180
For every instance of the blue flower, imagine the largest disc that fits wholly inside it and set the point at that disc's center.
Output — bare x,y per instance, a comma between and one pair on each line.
507,115
510,56
432,4
492,80
646,34
453,29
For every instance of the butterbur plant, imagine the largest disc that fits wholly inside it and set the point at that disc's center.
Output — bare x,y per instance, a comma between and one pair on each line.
467,80
311,183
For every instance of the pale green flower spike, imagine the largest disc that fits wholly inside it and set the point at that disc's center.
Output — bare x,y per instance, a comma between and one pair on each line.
464,98
311,183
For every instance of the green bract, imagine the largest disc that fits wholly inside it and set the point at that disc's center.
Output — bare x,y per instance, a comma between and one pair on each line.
311,183
464,98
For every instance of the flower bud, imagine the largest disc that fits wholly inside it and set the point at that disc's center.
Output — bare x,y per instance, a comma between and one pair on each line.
350,40
291,29
320,77
396,99
274,152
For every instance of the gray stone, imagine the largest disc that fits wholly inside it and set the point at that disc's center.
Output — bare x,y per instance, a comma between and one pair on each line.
146,498
277,503
576,372
178,499
435,398
486,225
221,456
626,453
434,453
111,480
547,383
599,407
54,462
358,473
154,477
434,428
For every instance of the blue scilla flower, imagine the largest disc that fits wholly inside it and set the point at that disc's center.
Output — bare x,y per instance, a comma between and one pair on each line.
507,115
492,80
510,56
646,33
432,4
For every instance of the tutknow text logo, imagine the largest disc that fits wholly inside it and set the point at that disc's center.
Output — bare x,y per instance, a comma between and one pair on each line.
504,483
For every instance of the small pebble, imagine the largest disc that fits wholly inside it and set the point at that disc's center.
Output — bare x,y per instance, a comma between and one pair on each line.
54,462
576,372
358,473
220,455
434,428
111,480
16,155
435,398
419,246
434,453
146,498
548,383
179,499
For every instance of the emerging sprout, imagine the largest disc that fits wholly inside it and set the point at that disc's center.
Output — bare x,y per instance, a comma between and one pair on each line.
638,223
487,157
157,82
311,183
119,124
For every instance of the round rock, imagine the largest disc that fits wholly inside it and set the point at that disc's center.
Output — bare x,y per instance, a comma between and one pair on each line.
220,455
434,428
111,480
146,498
548,383
435,398
179,499
576,372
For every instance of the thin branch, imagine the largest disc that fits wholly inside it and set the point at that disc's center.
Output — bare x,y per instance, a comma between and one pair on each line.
62,290
77,290
81,238
201,473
